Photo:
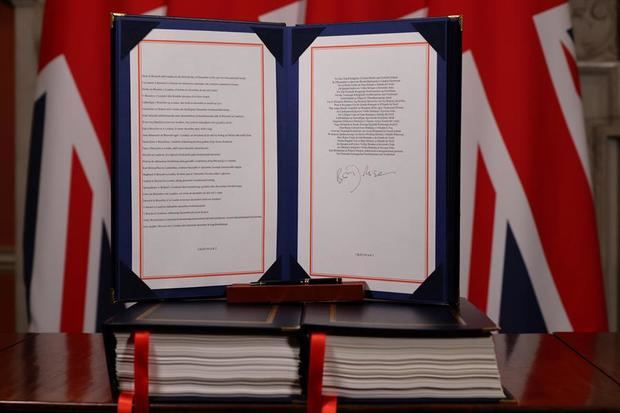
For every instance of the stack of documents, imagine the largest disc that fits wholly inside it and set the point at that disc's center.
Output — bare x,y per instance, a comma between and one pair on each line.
208,349
373,350
382,350
221,365
404,368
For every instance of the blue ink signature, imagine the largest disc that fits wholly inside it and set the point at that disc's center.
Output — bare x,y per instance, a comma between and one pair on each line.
352,175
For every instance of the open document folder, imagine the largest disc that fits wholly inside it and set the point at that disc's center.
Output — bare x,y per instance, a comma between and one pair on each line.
249,150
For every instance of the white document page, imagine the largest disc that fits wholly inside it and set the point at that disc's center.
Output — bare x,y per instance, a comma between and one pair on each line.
367,159
203,114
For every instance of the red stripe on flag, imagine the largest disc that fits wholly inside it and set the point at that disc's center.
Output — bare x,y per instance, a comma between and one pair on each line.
230,9
572,66
330,11
76,253
482,237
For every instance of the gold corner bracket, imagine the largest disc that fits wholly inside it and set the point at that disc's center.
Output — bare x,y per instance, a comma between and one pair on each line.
460,19
113,16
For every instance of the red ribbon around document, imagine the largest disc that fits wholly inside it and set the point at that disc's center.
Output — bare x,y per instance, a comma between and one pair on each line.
317,403
141,377
125,402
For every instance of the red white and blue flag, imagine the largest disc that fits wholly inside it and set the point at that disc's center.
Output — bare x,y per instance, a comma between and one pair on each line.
66,239
529,248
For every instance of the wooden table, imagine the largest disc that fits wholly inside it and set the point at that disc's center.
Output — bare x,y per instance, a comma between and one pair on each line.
67,372
600,349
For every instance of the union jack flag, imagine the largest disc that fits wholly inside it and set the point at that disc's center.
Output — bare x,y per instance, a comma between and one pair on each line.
529,248
66,239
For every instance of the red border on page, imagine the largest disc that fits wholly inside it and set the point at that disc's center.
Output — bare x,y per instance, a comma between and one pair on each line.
262,75
426,206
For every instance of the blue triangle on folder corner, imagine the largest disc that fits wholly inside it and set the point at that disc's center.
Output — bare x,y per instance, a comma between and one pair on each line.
431,289
274,272
133,33
131,286
302,38
273,39
297,273
434,34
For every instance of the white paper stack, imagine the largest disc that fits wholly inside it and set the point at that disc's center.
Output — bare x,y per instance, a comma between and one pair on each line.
214,365
406,368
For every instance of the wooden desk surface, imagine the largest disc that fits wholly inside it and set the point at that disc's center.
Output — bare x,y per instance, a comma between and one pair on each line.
9,339
67,372
600,349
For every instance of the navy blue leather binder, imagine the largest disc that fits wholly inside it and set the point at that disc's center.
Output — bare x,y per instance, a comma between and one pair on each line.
362,336
208,316
385,319
290,254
